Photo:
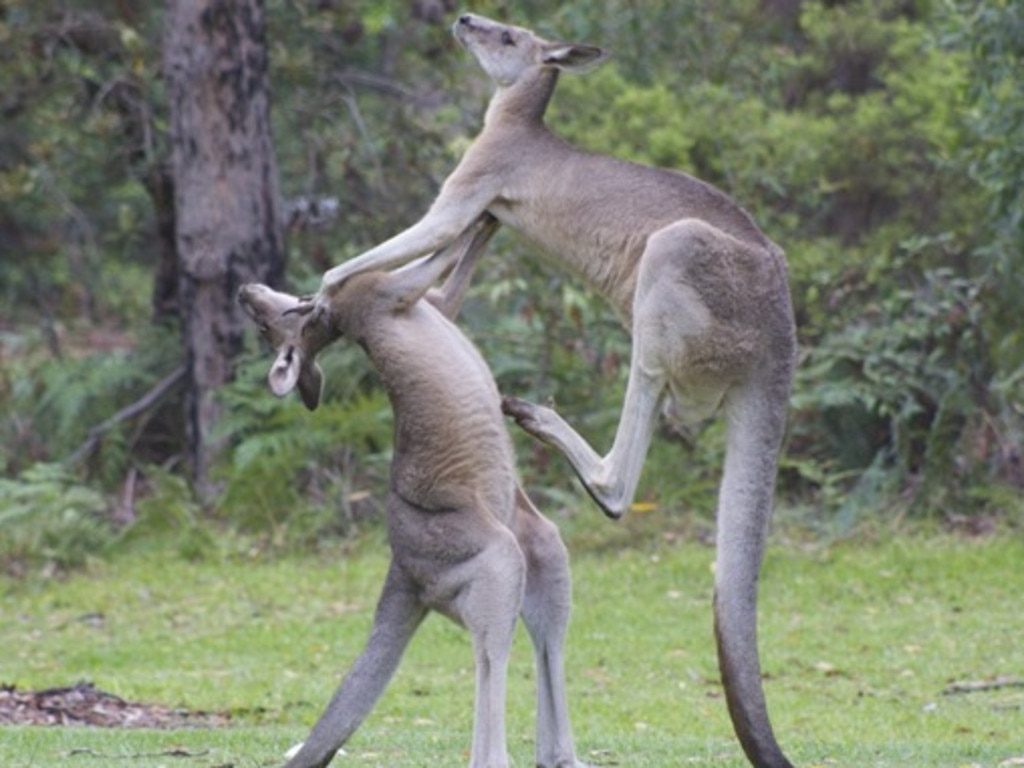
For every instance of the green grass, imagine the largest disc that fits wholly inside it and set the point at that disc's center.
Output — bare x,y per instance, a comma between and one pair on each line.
859,641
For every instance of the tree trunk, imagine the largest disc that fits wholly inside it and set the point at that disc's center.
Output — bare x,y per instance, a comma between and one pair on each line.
225,192
159,183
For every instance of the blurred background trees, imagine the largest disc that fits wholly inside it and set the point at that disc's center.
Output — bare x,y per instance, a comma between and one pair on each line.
880,142
227,207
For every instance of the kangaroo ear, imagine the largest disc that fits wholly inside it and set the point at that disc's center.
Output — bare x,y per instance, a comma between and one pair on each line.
573,58
311,385
284,373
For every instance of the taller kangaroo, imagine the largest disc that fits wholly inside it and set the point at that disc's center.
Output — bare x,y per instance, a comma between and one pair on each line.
702,290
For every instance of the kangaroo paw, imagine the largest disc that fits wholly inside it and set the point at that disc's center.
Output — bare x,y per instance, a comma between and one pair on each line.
526,414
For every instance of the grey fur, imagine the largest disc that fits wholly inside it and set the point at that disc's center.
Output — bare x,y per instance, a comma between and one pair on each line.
465,539
703,291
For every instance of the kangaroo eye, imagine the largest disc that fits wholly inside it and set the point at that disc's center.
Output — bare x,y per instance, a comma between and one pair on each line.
507,39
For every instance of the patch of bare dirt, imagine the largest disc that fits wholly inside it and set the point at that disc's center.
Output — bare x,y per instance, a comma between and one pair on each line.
84,704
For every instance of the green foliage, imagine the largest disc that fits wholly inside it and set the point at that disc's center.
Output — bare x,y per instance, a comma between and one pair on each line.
294,477
169,516
359,115
48,518
78,140
57,510
993,35
899,391
878,141
54,402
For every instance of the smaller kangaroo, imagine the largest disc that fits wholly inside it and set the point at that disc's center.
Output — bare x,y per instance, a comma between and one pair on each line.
465,539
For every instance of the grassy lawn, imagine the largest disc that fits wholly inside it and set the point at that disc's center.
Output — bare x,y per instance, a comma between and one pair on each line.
859,642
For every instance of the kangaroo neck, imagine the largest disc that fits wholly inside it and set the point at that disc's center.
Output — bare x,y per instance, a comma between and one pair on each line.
525,101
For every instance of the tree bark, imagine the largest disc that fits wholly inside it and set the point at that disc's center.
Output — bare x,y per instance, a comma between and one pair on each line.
228,228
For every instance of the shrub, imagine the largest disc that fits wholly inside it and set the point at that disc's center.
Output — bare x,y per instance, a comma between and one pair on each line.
49,519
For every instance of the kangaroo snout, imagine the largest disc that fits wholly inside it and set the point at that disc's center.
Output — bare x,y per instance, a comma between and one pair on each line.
247,292
252,298
469,23
464,25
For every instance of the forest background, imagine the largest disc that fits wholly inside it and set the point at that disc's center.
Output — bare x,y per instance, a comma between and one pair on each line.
880,142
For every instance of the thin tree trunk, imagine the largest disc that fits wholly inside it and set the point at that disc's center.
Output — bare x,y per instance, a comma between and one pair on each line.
225,191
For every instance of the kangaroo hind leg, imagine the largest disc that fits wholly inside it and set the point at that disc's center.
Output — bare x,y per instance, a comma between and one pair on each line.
489,595
610,480
398,614
546,607
671,327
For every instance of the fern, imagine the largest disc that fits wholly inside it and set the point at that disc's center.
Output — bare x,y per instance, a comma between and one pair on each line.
292,474
170,516
48,517
892,393
56,401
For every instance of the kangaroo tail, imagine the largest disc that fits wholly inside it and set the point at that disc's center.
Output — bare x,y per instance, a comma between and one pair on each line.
756,423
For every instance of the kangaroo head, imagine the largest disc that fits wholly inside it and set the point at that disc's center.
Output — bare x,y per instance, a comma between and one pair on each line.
297,335
509,53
